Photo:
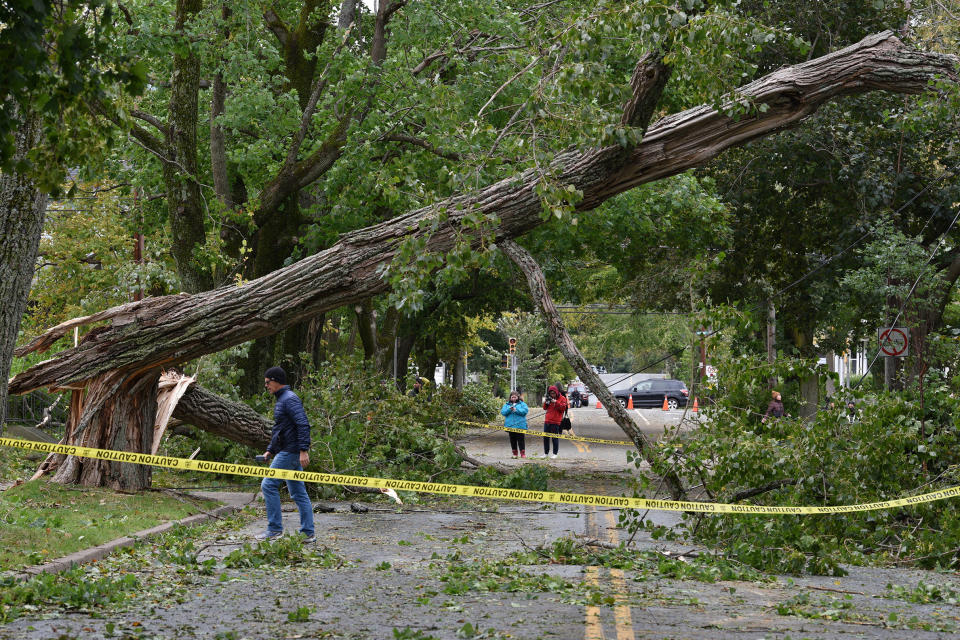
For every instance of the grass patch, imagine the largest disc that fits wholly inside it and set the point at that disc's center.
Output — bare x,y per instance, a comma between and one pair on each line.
41,521
17,463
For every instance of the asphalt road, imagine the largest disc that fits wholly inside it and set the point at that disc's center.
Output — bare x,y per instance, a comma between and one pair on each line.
491,446
434,570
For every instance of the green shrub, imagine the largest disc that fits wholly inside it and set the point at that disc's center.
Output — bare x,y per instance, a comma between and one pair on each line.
893,449
362,425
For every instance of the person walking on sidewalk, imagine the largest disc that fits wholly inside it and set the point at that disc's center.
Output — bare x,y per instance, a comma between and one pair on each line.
555,406
290,449
514,413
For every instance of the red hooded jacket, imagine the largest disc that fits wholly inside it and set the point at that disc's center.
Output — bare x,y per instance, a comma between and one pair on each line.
555,409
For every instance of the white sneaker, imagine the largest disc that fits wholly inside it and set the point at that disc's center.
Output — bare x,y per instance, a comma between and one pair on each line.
553,455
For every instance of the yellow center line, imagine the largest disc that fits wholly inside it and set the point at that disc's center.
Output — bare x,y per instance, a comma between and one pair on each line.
622,618
594,630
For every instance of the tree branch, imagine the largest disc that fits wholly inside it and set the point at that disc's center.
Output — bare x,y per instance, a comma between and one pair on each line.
423,144
276,26
558,331
147,139
385,11
749,493
156,122
306,118
647,83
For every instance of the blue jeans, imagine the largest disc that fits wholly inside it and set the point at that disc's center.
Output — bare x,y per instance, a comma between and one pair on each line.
298,491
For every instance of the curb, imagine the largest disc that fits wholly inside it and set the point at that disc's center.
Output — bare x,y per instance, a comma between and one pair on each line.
103,550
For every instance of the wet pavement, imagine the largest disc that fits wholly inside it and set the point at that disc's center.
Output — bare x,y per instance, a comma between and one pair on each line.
436,570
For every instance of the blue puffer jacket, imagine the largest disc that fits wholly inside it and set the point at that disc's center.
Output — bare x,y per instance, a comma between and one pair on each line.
516,419
291,429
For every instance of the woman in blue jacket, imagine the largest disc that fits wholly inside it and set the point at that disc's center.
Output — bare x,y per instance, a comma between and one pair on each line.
515,417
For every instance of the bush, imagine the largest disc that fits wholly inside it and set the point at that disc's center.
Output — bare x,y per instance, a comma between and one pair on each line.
362,425
893,449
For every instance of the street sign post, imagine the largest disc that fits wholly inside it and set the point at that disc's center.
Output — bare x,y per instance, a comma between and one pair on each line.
512,342
894,341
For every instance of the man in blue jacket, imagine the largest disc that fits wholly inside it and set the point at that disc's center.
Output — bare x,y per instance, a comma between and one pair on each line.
289,448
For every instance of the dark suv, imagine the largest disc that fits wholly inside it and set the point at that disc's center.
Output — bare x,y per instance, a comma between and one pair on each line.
650,393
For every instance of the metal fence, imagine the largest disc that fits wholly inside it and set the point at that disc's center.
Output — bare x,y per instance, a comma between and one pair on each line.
30,410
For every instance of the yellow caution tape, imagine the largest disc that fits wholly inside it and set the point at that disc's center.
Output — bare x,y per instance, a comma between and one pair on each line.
543,434
459,489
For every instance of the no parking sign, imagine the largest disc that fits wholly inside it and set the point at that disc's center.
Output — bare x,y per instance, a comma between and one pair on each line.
894,341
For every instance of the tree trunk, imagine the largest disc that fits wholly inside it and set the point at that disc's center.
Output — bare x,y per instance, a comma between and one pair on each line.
810,394
176,329
543,301
184,202
295,343
348,13
771,340
118,414
460,370
232,420
22,208
315,342
260,357
404,347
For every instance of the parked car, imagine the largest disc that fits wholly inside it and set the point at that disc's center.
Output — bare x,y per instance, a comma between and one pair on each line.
584,392
650,393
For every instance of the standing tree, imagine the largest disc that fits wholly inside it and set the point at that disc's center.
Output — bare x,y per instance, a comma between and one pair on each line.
55,55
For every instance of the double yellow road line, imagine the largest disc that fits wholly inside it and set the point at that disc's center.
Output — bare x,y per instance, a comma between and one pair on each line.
622,617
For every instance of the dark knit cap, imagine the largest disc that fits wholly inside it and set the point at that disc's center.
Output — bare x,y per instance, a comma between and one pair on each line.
276,374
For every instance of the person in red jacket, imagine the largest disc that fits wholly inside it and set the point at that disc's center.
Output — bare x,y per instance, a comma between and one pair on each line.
555,406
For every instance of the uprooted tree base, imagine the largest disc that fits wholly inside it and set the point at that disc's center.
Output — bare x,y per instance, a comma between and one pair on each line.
157,332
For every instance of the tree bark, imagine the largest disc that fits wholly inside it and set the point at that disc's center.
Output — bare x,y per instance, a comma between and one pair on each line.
184,202
232,420
22,208
771,340
558,331
118,413
176,329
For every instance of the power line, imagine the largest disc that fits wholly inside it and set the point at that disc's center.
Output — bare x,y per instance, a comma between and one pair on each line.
943,236
824,263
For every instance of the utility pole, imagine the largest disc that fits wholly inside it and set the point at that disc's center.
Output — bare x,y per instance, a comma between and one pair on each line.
513,363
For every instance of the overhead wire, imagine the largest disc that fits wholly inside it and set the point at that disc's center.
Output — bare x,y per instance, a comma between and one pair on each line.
820,266
910,293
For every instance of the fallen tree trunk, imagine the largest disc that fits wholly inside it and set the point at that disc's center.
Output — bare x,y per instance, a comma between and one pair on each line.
175,329
221,417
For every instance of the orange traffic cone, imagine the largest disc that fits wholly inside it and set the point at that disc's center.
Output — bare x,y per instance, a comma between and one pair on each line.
630,402
599,406
696,404
665,407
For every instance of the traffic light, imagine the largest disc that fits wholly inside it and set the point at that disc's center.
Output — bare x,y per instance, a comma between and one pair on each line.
513,345
505,361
